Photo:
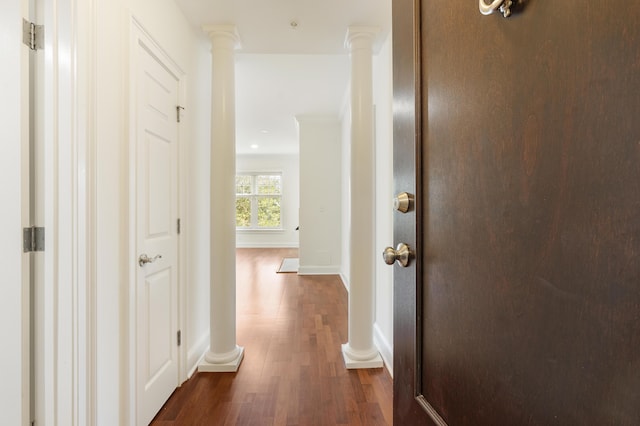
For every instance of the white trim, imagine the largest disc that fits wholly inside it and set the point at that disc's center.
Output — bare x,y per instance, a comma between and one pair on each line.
345,281
384,348
267,245
14,173
319,270
193,370
50,274
259,231
183,246
138,34
196,353
68,345
85,387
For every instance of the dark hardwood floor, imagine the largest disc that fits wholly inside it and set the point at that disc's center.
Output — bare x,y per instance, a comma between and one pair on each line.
293,374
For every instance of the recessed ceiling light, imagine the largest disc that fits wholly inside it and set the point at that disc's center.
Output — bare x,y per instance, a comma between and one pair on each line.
293,24
264,131
254,146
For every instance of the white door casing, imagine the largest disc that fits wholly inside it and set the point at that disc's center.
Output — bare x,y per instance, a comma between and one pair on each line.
42,191
14,169
155,87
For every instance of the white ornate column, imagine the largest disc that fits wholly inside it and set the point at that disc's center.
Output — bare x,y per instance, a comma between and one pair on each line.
224,354
360,352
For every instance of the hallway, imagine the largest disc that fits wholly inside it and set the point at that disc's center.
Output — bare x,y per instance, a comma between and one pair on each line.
293,373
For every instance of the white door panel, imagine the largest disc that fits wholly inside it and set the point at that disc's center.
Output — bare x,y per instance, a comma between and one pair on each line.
157,207
158,295
160,209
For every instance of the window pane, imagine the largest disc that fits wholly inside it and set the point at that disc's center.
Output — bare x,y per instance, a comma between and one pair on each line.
243,185
268,184
243,212
269,212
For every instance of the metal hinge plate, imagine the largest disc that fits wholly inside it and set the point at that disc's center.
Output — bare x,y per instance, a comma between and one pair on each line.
179,337
179,226
33,239
179,112
32,35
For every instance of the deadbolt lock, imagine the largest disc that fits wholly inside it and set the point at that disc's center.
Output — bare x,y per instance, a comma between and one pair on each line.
403,202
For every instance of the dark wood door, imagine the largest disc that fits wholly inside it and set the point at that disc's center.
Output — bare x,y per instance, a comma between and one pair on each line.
521,139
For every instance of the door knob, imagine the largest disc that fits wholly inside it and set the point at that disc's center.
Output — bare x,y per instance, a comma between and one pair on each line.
401,254
144,259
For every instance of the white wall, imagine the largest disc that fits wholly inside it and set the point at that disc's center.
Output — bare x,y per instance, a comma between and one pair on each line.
383,97
383,274
197,219
111,226
166,24
345,167
288,165
320,195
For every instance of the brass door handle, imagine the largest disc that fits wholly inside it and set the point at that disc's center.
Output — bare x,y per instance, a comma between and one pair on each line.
503,5
401,254
144,259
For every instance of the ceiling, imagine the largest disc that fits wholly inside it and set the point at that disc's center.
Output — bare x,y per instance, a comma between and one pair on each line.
292,61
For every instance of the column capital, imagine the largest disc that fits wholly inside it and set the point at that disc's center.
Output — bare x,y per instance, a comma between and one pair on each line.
357,36
228,31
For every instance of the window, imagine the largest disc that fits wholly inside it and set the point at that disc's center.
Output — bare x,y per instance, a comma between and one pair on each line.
258,201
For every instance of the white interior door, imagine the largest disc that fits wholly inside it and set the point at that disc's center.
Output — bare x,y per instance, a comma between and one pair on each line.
157,238
14,215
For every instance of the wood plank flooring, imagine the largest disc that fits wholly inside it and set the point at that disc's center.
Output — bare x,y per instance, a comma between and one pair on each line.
292,328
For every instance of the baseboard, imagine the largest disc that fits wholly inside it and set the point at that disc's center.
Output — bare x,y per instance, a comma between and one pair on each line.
319,270
196,353
345,281
267,245
384,347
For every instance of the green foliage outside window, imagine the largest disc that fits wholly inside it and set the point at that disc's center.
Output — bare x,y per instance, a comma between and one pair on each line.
258,201
268,212
243,212
268,185
243,185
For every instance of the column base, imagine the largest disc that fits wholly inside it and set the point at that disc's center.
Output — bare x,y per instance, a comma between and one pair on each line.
374,361
224,367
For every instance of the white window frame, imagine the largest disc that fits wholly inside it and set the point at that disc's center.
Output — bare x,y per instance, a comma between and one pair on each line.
254,196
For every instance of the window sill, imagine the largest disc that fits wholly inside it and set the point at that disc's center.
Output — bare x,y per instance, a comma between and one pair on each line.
260,231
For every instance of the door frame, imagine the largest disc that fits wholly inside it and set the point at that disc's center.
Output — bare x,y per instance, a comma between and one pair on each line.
65,379
70,213
139,35
14,160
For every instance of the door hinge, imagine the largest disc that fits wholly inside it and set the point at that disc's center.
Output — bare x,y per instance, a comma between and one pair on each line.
32,35
32,239
179,337
178,112
178,226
